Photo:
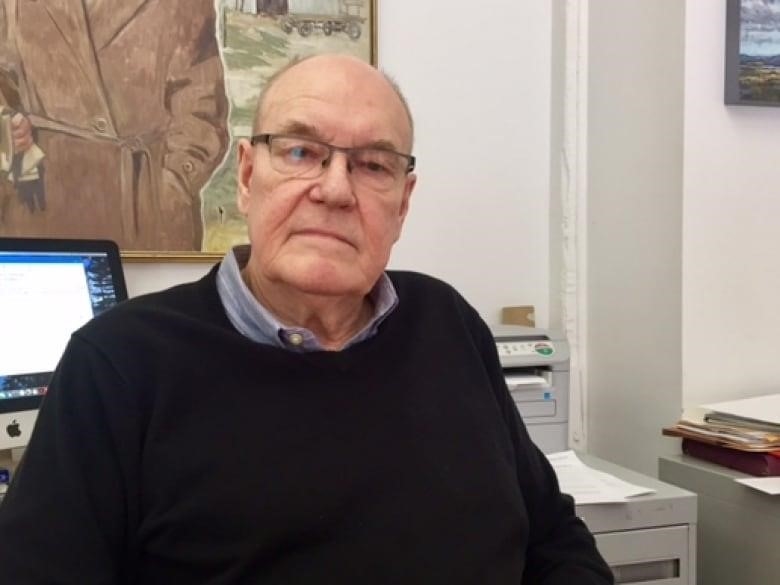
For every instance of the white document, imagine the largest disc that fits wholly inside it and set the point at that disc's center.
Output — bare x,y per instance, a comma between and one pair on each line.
591,486
519,381
762,408
768,485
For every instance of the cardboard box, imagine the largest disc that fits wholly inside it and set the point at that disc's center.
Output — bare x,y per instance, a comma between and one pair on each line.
518,315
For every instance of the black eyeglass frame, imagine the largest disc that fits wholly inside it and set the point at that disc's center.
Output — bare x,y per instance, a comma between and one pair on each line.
266,138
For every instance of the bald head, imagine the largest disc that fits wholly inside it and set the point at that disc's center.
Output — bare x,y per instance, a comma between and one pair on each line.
314,73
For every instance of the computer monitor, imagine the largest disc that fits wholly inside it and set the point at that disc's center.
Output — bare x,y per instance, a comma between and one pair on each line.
48,289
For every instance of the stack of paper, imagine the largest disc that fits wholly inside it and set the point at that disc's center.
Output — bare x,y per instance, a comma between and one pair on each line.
725,434
740,434
590,486
760,413
750,424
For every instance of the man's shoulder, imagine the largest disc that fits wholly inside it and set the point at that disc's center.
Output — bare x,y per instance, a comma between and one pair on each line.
429,295
408,281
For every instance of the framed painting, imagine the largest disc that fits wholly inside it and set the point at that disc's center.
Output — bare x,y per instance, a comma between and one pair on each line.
119,118
752,75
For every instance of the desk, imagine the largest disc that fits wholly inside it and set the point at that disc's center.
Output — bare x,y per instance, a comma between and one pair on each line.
649,540
739,527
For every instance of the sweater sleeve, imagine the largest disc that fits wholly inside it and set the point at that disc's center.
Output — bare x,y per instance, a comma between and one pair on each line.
561,549
70,504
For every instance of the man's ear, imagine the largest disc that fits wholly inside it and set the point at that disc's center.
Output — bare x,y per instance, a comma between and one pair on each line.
411,181
246,162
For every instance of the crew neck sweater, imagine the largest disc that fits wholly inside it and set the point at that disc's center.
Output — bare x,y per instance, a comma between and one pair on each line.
173,450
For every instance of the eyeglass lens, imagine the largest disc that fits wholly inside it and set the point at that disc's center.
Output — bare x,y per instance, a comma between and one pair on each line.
372,167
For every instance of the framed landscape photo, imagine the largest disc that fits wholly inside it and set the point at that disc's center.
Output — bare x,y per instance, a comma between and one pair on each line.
752,75
119,119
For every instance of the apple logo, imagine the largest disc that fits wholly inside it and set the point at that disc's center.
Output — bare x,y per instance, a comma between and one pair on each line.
13,429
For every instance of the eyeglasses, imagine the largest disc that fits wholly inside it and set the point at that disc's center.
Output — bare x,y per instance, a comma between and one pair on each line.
372,167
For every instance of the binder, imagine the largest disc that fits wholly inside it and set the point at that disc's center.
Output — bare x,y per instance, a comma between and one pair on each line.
751,462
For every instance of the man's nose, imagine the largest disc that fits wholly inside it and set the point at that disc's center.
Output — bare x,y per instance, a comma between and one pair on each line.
335,184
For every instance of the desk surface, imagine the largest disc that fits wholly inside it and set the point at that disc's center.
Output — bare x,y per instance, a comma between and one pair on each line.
714,480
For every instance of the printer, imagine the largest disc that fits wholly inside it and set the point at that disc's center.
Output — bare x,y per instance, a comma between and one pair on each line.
536,369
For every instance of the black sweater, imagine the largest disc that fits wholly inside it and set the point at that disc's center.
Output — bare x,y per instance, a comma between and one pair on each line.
172,450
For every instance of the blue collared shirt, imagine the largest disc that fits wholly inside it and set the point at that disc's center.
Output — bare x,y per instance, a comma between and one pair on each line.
255,321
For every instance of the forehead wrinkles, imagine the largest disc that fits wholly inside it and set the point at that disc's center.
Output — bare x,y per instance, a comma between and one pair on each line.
369,96
366,122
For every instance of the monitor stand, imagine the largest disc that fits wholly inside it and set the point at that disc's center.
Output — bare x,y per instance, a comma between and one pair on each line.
9,458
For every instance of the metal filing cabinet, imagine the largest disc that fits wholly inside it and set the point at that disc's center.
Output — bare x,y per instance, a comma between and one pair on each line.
650,539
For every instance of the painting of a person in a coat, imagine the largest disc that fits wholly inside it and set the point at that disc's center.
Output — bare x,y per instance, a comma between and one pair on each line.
115,117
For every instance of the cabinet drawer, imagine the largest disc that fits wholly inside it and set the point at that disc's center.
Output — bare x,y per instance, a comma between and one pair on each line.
652,556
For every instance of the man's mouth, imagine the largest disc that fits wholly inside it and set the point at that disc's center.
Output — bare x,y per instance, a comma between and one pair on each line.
324,234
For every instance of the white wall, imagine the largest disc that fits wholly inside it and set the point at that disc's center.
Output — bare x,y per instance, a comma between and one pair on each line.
478,80
143,277
683,281
634,209
731,228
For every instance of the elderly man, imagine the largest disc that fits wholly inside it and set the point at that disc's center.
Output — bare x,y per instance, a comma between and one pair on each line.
299,415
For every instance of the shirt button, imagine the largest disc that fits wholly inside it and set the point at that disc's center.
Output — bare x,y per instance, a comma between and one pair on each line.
295,338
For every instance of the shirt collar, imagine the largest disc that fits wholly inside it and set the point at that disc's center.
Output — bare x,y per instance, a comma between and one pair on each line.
256,322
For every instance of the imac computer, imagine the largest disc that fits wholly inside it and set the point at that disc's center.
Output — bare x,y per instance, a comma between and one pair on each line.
48,289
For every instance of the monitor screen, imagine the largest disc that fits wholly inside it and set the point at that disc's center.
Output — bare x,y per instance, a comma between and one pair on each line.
48,289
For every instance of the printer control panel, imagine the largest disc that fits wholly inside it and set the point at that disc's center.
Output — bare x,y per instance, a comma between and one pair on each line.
509,348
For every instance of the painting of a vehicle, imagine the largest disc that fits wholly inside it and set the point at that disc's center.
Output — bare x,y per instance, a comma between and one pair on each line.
327,16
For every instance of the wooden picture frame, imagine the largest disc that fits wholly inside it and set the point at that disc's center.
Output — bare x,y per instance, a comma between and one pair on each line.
752,64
